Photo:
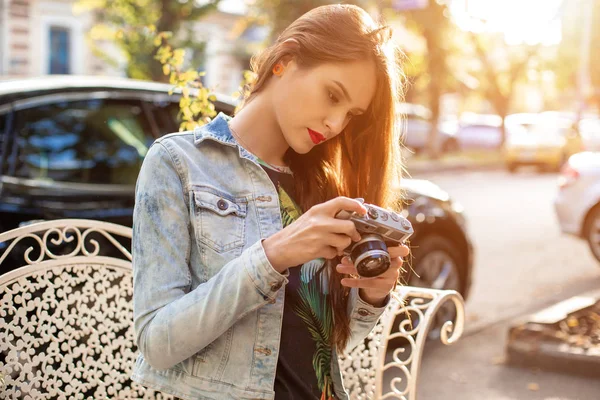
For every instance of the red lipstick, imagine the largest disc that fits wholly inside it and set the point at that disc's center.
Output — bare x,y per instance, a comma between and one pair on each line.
316,137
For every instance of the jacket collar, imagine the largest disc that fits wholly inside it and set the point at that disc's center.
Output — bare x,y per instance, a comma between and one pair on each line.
218,130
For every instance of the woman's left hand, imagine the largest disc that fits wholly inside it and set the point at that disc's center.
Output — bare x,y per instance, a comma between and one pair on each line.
375,290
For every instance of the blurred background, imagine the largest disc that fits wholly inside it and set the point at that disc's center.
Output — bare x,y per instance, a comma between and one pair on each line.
470,63
501,145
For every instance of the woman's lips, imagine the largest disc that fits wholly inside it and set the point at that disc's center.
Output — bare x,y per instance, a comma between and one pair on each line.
316,137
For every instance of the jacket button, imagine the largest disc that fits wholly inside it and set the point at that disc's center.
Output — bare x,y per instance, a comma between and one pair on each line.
264,198
222,204
276,286
263,350
363,312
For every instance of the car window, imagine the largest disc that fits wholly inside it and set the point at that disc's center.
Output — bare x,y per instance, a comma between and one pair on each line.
165,114
3,139
2,128
83,141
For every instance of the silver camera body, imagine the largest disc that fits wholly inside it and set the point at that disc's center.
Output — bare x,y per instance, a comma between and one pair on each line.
378,229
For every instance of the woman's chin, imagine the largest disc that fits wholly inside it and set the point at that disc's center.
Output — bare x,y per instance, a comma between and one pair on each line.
302,148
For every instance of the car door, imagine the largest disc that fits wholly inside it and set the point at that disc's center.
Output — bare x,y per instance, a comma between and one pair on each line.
76,155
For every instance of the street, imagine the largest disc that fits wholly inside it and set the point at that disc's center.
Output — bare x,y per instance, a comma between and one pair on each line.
522,260
523,264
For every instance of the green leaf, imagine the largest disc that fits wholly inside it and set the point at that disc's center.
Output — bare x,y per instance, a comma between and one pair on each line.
314,310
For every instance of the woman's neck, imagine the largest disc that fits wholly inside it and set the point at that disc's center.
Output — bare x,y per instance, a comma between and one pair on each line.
256,129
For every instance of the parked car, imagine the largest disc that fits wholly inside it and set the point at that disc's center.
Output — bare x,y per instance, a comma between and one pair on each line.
546,142
577,202
417,126
72,148
589,128
479,131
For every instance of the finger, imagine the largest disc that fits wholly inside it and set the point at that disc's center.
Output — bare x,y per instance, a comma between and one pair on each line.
399,251
339,241
348,269
330,252
375,283
332,207
345,227
393,271
347,260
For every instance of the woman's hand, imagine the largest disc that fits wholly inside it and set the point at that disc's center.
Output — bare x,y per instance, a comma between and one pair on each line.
375,290
316,234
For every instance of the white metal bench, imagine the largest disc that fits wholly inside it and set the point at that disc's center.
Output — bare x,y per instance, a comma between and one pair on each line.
67,328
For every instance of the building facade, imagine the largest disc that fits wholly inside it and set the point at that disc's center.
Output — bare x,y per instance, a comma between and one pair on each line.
44,37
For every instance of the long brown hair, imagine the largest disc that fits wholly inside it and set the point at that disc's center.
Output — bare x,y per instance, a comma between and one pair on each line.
364,161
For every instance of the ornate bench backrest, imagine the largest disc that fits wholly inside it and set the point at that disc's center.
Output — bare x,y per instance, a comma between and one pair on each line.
386,365
66,319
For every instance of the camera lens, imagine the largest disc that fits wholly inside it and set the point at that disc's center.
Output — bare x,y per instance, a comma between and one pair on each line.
373,265
370,256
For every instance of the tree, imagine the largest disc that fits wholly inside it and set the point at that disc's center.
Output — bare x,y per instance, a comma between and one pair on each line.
434,25
278,14
497,80
133,24
568,63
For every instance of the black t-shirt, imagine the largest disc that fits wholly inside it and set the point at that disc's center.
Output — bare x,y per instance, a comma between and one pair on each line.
304,363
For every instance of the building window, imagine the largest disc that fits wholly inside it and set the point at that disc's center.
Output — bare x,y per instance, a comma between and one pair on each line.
60,50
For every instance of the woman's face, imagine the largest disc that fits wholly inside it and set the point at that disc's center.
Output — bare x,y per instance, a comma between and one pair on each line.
315,104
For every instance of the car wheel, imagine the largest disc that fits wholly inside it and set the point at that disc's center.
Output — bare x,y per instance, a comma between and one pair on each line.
437,265
592,232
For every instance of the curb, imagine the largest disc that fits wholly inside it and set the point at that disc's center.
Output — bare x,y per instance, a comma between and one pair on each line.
447,168
530,345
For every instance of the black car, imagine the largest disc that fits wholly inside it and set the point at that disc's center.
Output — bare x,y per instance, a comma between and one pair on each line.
72,147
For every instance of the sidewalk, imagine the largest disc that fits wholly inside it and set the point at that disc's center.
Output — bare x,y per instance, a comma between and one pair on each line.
468,161
474,369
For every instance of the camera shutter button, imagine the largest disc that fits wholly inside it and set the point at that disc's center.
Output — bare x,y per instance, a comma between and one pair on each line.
373,214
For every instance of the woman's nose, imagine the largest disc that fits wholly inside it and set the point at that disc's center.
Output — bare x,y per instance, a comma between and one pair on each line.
335,124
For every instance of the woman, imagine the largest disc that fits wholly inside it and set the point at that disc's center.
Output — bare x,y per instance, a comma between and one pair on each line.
239,288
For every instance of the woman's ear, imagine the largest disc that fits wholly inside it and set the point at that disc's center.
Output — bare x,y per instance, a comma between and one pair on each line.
291,47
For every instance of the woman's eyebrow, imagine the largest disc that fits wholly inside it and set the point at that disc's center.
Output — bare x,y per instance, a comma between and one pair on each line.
347,95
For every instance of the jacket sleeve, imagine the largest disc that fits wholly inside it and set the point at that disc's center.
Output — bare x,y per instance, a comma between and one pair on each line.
171,321
363,318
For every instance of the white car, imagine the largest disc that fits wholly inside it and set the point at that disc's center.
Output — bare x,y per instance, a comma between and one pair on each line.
590,133
577,203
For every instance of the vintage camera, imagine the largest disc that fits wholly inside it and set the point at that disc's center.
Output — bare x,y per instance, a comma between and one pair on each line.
378,229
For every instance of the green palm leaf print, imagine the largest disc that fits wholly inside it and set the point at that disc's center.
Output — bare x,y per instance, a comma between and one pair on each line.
290,211
314,311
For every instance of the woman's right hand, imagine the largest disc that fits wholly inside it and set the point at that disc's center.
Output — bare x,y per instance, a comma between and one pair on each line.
316,234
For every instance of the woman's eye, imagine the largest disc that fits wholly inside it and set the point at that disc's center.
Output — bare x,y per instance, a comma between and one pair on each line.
333,98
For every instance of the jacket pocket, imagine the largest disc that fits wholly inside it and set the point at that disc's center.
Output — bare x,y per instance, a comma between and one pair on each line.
219,218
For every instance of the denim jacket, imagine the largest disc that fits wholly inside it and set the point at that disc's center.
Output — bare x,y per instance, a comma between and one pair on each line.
208,305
